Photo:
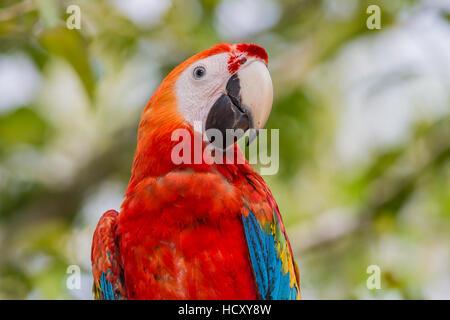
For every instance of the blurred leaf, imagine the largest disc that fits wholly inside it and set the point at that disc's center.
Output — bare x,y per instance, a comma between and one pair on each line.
14,283
37,53
23,125
71,46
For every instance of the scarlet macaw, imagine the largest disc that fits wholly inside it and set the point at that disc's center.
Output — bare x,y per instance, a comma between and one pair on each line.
198,231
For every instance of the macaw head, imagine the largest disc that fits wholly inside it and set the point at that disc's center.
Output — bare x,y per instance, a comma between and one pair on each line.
225,87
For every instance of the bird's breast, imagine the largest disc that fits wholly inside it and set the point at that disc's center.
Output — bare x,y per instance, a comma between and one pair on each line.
200,261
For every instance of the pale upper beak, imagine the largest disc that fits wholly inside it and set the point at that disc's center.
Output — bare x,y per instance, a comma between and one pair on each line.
246,104
256,91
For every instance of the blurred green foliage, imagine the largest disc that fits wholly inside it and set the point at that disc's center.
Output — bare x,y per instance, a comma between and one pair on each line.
66,152
22,126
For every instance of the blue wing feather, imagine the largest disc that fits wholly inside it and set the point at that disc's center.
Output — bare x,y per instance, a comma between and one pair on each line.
106,288
272,282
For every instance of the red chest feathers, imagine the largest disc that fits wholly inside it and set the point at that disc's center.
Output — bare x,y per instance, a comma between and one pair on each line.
183,239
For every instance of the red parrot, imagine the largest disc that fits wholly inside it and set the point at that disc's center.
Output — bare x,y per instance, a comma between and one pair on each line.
190,230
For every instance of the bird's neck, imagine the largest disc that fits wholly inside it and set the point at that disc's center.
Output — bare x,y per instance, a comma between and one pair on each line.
161,138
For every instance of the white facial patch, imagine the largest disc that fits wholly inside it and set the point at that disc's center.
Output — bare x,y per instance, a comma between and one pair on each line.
197,95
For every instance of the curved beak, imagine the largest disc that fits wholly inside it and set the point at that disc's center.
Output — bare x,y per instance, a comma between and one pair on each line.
245,105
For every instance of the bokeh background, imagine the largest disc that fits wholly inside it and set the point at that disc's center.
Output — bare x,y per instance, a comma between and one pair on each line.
364,118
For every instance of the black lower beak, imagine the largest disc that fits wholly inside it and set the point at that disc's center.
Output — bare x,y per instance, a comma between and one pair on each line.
228,117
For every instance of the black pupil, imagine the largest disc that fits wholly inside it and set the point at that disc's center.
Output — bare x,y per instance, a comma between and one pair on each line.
199,72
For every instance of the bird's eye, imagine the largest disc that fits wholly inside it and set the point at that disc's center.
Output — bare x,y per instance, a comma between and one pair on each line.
199,72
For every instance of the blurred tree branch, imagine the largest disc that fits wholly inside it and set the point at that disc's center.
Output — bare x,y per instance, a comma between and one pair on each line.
17,10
